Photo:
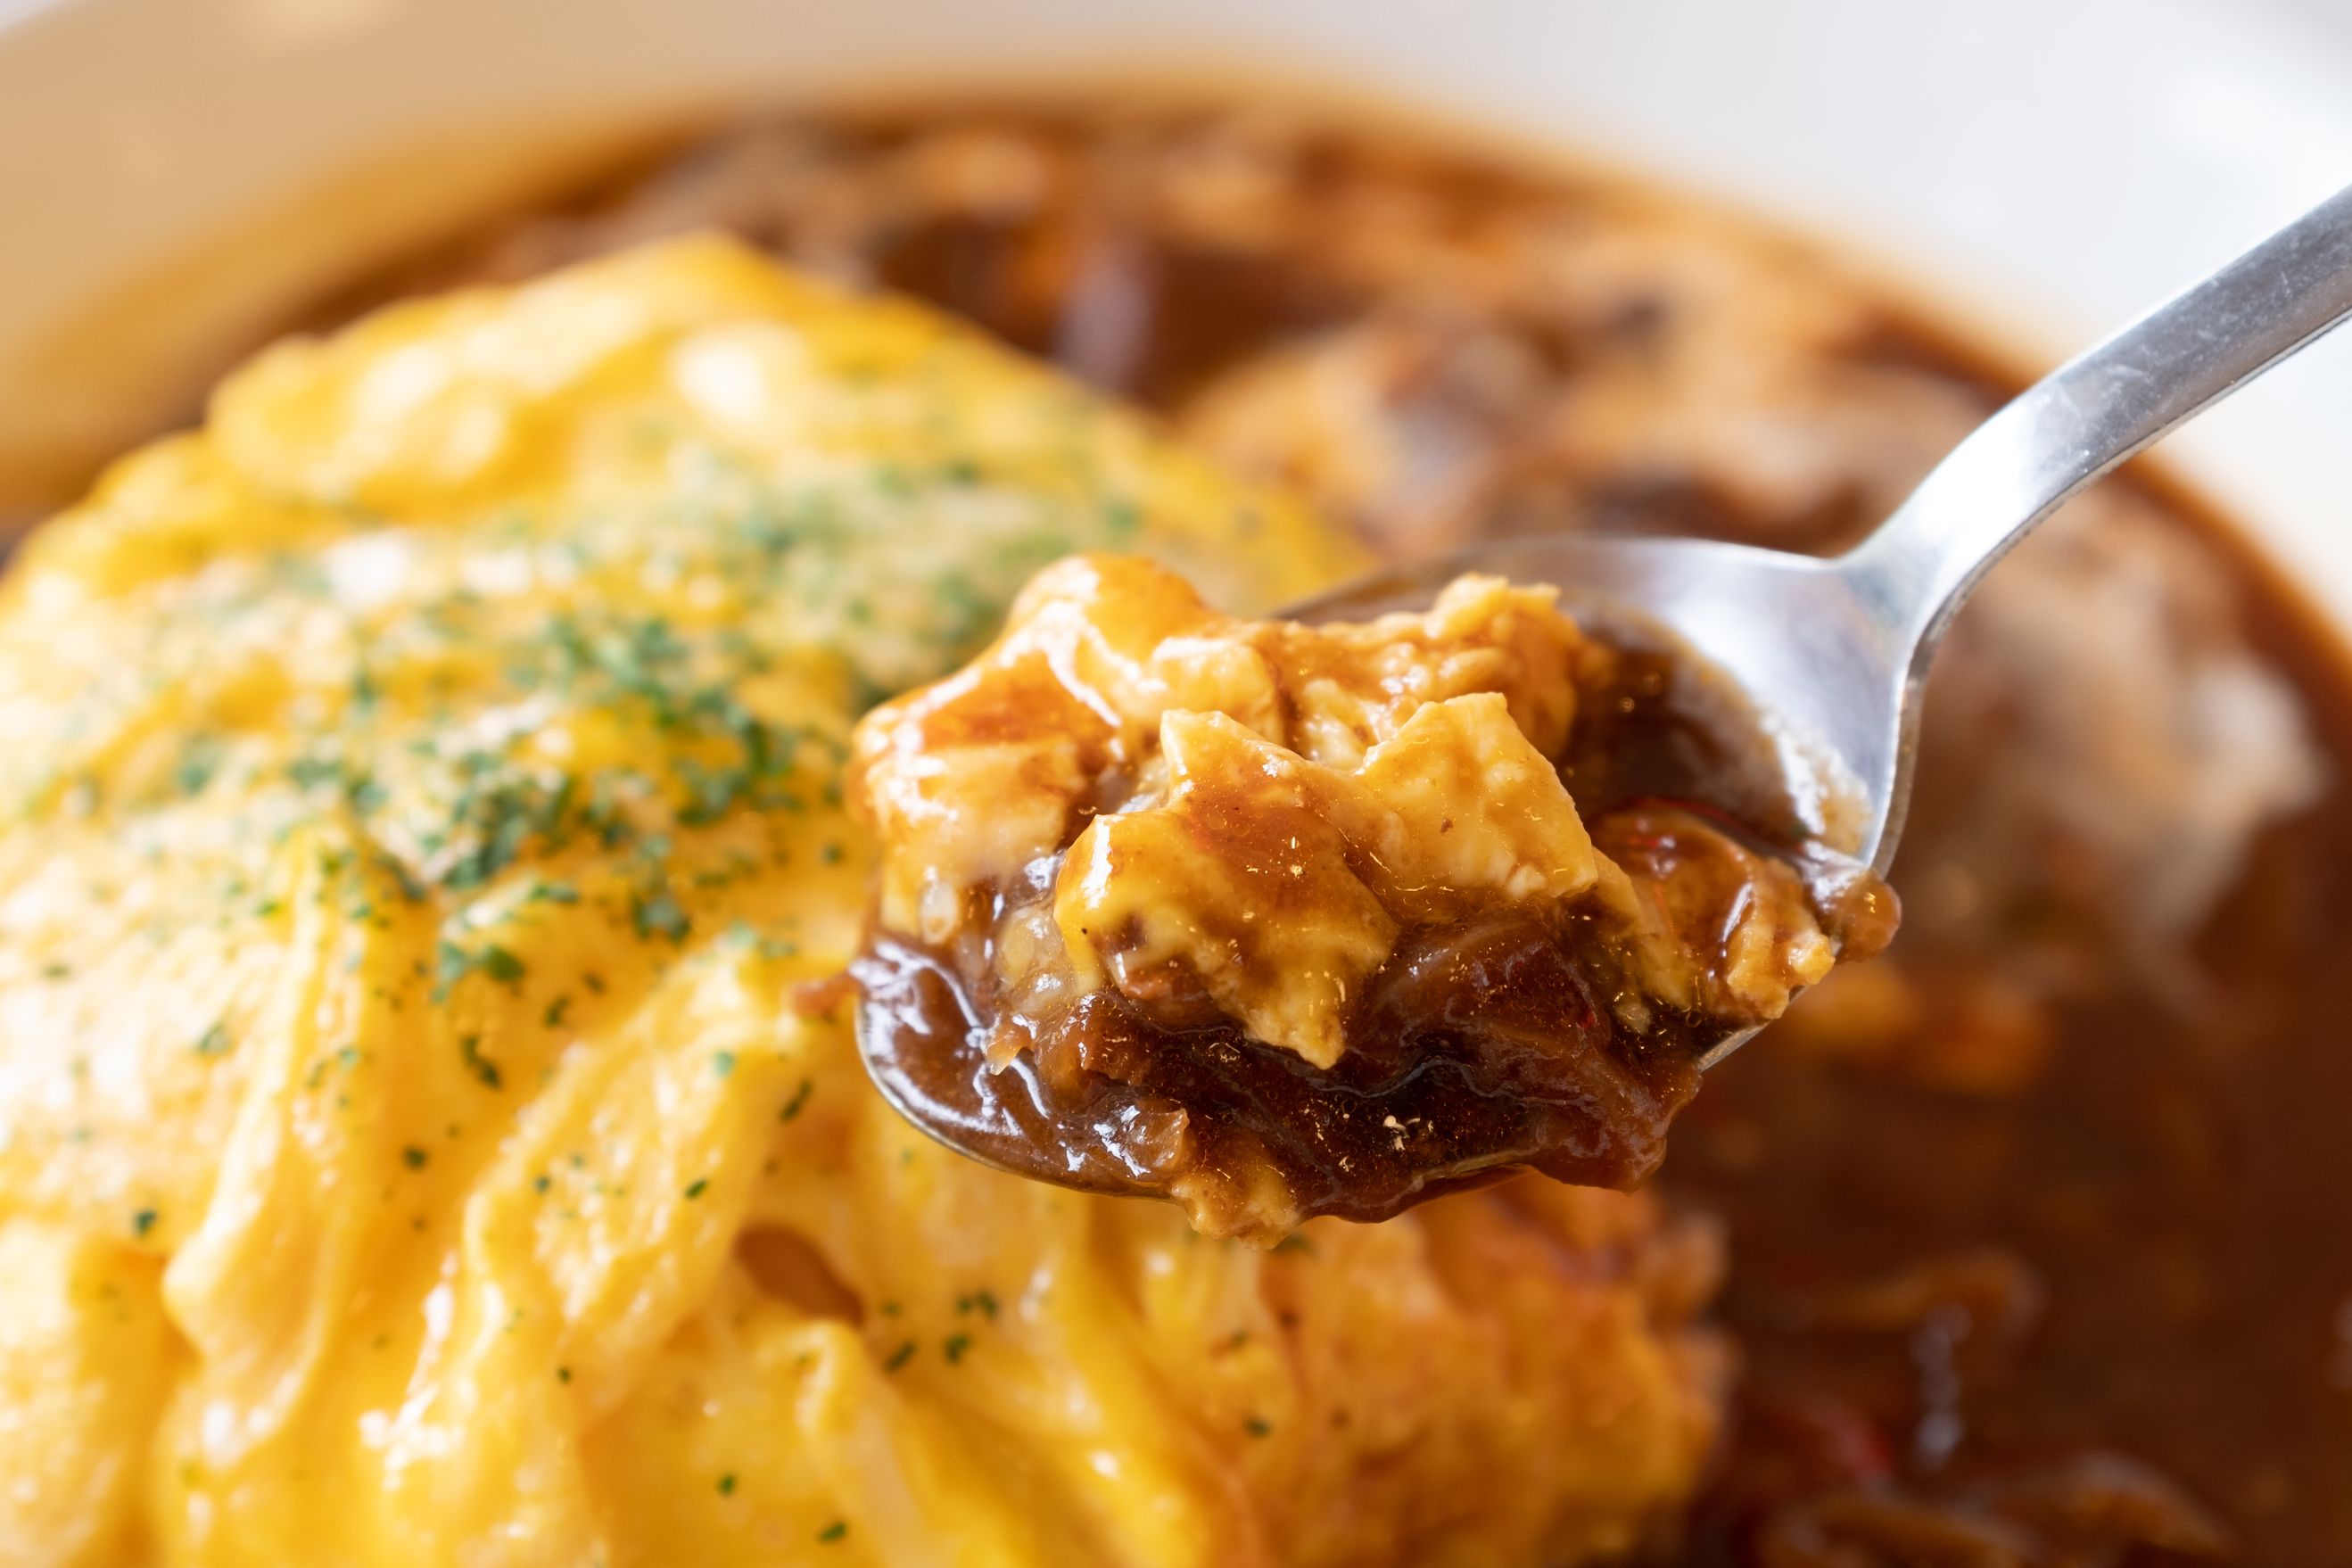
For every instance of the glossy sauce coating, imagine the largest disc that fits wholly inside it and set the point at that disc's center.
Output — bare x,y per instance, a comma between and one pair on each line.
1270,986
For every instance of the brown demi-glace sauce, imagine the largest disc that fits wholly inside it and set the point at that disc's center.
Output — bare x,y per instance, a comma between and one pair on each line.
1485,1048
2061,1237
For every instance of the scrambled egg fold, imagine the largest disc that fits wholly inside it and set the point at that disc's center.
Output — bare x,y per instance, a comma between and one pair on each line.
429,1129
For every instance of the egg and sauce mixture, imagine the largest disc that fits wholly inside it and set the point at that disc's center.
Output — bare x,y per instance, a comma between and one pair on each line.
1276,918
430,1129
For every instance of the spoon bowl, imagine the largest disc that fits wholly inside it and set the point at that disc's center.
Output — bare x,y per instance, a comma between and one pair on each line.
1809,649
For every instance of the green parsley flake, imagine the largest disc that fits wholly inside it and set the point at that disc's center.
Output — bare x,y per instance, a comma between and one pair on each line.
480,1066
658,915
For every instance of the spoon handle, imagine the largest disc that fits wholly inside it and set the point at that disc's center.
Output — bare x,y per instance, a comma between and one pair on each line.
2093,411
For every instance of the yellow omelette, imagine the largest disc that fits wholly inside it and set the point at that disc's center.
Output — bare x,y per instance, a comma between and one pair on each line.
429,1131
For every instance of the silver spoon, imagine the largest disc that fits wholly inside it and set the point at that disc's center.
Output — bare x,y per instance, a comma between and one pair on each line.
1836,651
1834,654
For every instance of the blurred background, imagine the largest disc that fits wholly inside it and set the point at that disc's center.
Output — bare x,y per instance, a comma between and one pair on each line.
178,172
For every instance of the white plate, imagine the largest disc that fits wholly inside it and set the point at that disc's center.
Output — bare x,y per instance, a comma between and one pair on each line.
2044,168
